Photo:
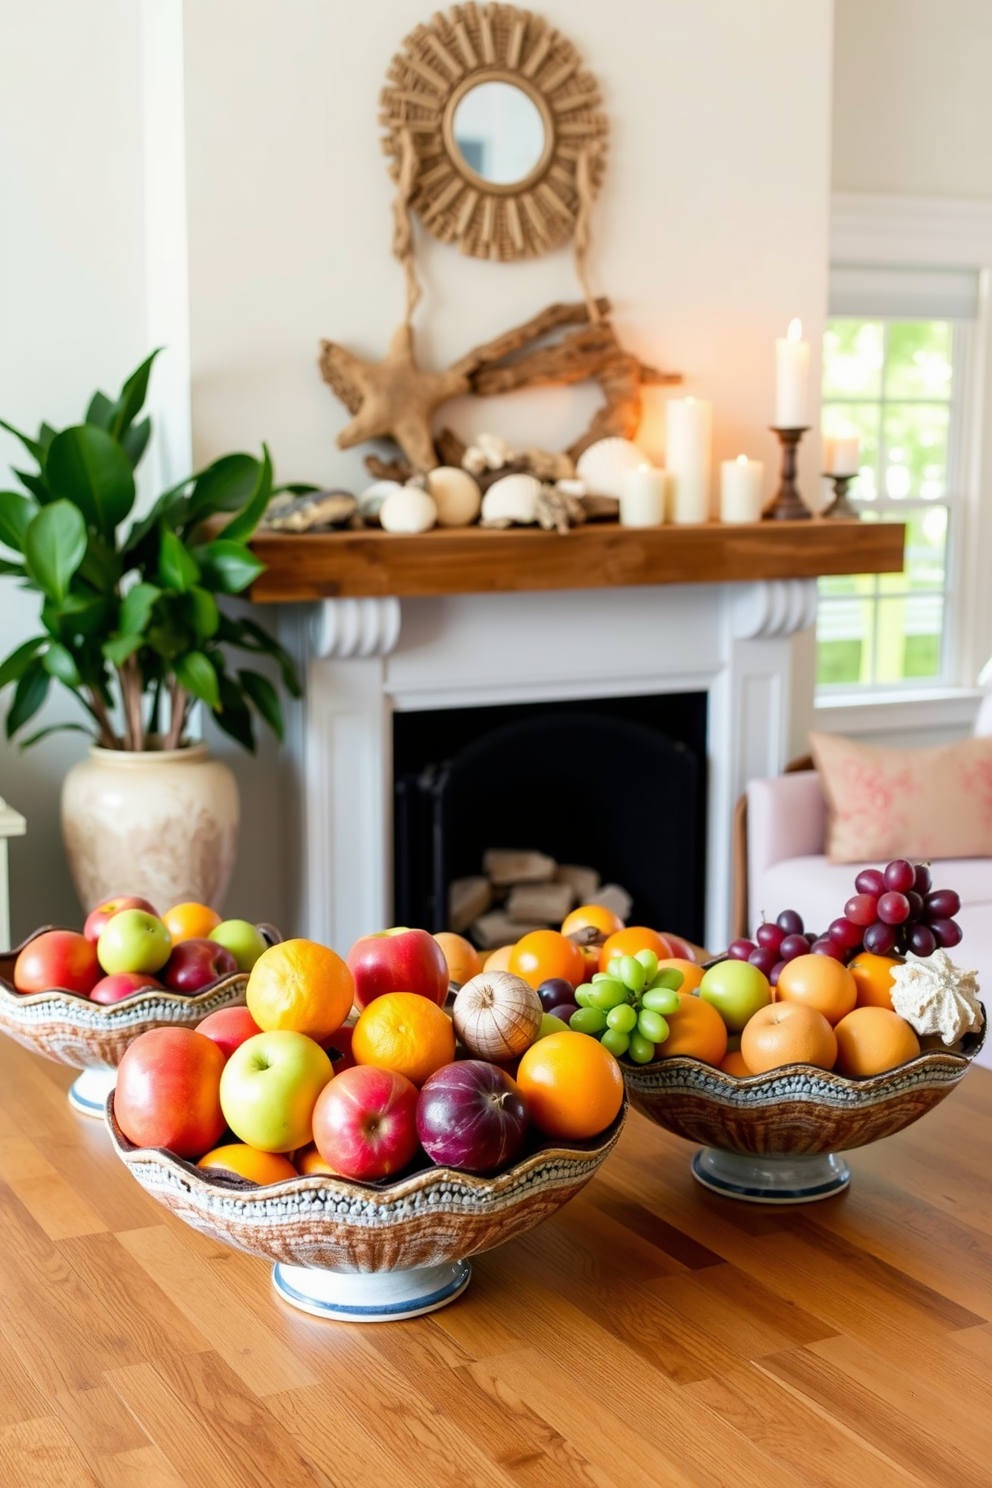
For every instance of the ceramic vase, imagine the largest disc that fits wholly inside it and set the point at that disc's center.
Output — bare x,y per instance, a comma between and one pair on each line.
158,824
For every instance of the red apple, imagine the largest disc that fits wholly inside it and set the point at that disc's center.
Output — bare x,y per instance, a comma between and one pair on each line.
122,984
195,964
365,1122
98,917
229,1027
57,958
338,1049
168,1092
398,961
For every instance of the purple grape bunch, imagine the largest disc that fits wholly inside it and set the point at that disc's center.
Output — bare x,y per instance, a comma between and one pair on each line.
774,944
896,909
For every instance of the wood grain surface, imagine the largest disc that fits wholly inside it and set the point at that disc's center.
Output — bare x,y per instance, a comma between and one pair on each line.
477,560
651,1334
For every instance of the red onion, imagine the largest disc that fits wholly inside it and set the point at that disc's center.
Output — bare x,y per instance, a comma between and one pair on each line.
471,1116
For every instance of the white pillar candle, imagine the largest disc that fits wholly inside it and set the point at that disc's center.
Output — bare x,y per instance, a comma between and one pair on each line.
842,454
687,458
741,483
792,379
642,497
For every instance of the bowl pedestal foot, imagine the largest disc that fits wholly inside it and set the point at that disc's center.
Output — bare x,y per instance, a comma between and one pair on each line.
371,1297
771,1178
88,1092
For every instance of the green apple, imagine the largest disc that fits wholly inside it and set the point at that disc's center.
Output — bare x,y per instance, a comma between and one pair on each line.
243,939
737,990
133,941
269,1088
551,1024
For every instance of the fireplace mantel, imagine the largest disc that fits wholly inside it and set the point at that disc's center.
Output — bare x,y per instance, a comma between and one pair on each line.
476,560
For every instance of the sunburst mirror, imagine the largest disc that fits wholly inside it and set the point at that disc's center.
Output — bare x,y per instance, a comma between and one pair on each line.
498,124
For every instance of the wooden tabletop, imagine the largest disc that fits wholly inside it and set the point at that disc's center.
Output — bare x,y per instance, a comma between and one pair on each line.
477,560
650,1335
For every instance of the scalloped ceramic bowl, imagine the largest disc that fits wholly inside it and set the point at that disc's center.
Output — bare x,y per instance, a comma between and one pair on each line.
92,1036
774,1138
369,1252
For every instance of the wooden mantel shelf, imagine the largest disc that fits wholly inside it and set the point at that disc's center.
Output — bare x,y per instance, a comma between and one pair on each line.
475,560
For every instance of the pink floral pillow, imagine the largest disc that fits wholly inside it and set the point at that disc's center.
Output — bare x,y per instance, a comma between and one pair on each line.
905,803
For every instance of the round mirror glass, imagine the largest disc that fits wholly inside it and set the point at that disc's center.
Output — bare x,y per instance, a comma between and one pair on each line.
499,133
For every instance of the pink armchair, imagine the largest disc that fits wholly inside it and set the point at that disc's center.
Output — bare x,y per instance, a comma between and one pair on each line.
782,858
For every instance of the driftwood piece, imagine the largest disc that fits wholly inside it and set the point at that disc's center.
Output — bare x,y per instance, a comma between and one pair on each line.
507,866
584,881
495,929
563,313
545,903
450,447
398,470
468,898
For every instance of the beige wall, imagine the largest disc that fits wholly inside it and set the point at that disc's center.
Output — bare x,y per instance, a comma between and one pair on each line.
912,101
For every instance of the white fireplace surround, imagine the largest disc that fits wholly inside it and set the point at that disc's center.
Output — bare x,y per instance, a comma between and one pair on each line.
368,658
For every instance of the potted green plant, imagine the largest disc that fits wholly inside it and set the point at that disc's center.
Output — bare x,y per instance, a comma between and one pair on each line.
130,623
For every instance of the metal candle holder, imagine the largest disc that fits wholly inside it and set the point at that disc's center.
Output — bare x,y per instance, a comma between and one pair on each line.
840,506
788,505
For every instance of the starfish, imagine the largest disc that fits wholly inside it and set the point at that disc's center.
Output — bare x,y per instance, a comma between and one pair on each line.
393,398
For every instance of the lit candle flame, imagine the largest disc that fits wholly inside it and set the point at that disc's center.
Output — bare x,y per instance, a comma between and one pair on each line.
644,465
742,459
795,331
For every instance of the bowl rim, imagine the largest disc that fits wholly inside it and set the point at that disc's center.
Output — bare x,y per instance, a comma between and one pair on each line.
11,998
594,1151
868,1084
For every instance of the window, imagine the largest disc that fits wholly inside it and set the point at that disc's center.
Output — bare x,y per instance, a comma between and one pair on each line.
898,379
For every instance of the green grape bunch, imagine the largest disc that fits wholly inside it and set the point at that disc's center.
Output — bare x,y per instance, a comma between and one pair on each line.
625,1006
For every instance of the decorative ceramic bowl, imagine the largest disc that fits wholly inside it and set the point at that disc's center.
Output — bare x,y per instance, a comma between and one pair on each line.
774,1138
92,1036
369,1252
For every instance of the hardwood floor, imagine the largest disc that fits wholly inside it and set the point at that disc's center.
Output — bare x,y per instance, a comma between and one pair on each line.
651,1334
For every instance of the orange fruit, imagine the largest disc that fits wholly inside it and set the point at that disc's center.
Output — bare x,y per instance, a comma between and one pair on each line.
308,1160
692,974
597,916
498,960
190,921
248,1162
631,940
873,979
873,1039
696,1029
788,1033
547,953
463,959
406,1033
573,1087
732,1063
818,982
302,986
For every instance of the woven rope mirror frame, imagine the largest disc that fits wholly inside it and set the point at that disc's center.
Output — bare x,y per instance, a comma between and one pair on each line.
437,68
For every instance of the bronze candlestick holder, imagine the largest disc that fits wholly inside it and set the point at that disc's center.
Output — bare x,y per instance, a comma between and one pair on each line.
788,505
840,506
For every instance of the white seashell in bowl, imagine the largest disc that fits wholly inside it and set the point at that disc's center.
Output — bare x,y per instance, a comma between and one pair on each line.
371,499
456,496
513,498
408,510
604,464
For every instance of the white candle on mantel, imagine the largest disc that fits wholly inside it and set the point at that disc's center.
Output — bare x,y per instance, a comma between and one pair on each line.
792,379
842,453
687,457
741,483
642,497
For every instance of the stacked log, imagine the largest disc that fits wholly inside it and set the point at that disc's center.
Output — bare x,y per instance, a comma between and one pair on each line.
520,890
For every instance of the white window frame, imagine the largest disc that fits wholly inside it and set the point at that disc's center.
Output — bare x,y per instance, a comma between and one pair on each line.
932,232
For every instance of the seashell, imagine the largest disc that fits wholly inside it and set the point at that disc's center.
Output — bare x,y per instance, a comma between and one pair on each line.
512,498
935,996
408,510
571,486
497,1015
603,465
549,466
487,452
306,513
456,496
371,499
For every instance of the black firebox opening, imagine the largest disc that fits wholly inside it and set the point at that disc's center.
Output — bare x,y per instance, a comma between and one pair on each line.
618,784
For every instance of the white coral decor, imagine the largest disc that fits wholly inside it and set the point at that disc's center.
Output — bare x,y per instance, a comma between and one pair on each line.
935,996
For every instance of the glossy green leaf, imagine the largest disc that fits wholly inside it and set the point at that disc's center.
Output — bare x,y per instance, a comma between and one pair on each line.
17,663
79,615
88,467
45,435
227,567
178,570
36,484
59,663
101,411
120,647
234,715
16,511
33,447
29,694
265,698
54,547
196,673
14,569
132,398
101,567
241,529
201,608
227,485
166,509
134,441
55,728
136,608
